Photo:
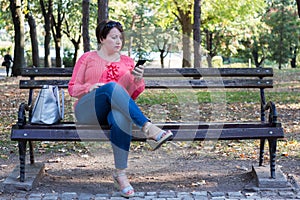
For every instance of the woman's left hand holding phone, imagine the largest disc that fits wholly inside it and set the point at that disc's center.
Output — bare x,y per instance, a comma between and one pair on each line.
138,72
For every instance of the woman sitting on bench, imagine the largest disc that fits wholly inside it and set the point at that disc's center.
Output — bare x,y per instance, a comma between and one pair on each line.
106,84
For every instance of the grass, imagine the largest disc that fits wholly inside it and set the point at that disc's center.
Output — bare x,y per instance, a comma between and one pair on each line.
285,83
170,97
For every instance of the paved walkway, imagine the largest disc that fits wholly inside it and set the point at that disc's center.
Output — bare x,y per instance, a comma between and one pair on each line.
171,195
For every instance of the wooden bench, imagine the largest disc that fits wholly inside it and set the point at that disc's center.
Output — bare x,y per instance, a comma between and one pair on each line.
186,78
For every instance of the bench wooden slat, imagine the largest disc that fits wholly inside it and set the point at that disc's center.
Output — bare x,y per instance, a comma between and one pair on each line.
179,134
167,72
160,84
167,125
237,83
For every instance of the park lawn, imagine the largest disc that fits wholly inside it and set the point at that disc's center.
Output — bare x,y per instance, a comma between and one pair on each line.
249,96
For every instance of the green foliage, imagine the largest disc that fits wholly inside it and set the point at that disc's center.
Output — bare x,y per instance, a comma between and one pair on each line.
68,58
231,25
217,61
285,30
236,26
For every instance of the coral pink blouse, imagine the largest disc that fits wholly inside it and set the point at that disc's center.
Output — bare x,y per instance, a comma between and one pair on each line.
91,69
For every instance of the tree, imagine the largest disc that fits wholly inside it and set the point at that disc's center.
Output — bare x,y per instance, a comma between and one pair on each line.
257,51
285,32
85,24
74,37
298,7
137,18
47,10
18,21
163,44
179,12
223,22
73,26
184,16
252,41
56,27
197,34
33,36
102,10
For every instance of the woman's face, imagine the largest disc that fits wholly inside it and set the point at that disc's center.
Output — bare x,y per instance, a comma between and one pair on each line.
113,41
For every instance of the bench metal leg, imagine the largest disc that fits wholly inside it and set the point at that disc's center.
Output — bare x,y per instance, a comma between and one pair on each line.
22,157
31,152
272,149
261,151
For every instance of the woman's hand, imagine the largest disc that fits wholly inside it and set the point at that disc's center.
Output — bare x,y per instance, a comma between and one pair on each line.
138,72
95,86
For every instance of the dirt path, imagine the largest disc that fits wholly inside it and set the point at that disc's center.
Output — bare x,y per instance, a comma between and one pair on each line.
170,168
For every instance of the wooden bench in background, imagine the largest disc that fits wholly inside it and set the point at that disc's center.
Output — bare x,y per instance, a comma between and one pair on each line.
185,78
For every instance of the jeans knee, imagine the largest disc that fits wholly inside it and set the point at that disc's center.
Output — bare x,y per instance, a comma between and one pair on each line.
112,85
118,120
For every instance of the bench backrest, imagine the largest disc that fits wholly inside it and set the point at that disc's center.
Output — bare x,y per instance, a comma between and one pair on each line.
157,78
167,78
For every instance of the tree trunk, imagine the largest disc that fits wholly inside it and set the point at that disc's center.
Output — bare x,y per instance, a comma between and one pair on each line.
18,20
186,62
131,37
58,60
161,55
75,42
102,10
164,51
255,56
47,17
197,34
85,25
298,6
185,20
56,26
294,57
209,48
34,40
76,46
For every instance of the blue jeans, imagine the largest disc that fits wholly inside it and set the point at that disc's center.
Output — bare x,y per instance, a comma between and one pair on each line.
110,104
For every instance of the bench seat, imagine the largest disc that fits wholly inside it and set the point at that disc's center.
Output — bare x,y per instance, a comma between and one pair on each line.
182,132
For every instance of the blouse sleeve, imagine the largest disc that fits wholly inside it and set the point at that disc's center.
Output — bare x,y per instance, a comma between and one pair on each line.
77,87
138,89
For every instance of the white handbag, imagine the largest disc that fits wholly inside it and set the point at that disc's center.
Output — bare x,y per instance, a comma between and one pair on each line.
48,107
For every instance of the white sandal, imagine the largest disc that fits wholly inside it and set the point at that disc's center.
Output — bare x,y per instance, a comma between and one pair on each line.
165,136
127,191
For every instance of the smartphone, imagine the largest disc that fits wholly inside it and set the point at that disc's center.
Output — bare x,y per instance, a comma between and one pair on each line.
140,62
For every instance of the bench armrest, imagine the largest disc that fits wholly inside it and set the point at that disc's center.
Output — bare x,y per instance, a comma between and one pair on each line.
272,113
22,114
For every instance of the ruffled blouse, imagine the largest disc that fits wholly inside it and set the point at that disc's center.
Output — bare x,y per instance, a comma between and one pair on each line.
91,68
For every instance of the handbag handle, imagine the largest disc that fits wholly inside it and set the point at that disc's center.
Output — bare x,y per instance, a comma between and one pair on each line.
62,112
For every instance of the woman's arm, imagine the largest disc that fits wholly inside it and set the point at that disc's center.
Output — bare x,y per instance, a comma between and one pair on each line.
77,86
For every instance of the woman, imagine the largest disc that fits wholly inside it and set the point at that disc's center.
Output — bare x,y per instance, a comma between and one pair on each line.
106,84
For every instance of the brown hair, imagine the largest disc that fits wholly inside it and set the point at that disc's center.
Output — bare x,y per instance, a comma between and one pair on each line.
104,28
